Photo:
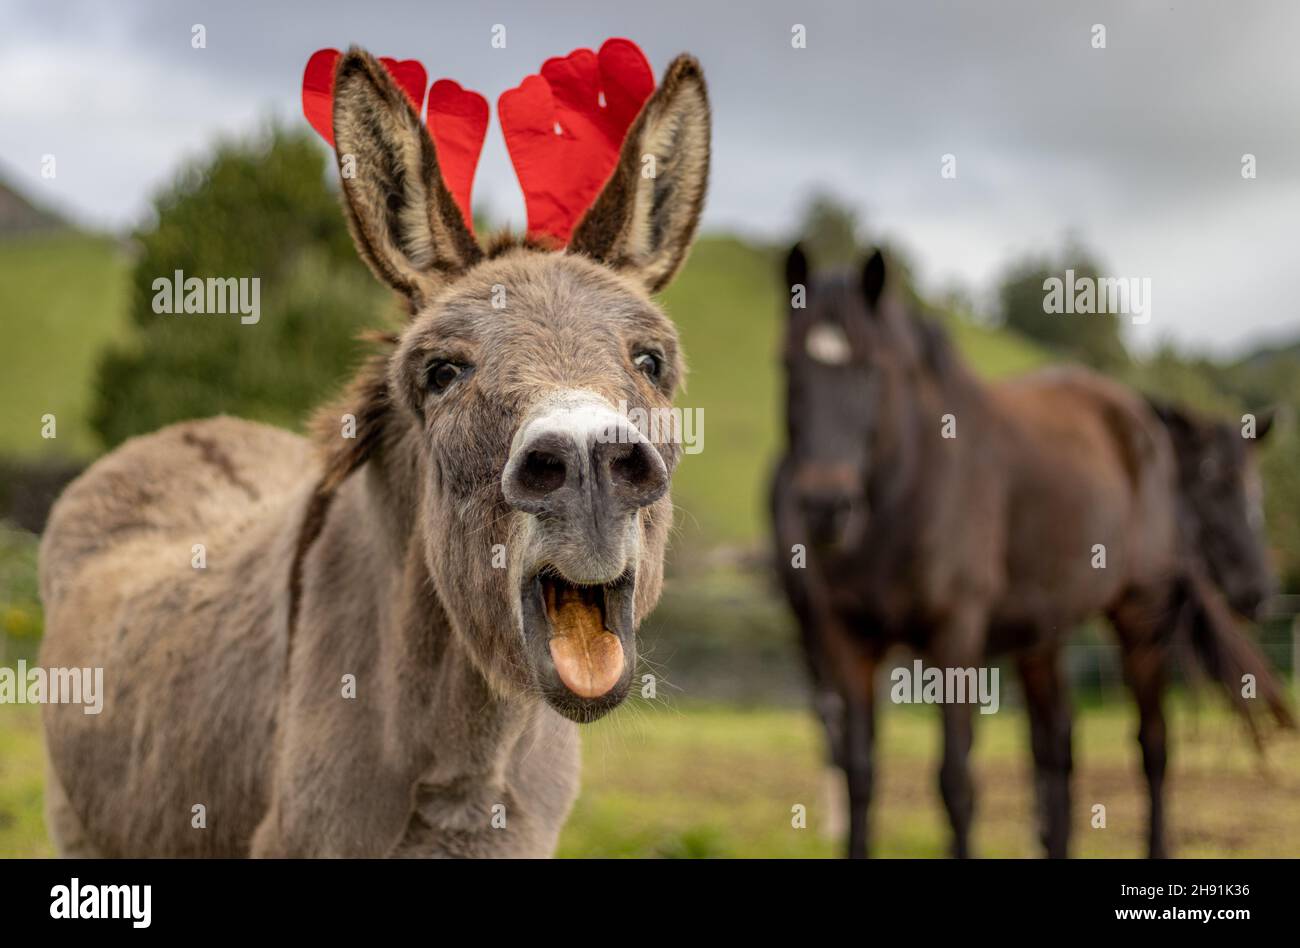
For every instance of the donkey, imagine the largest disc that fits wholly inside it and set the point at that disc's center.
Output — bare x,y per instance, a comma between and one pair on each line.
395,633
967,520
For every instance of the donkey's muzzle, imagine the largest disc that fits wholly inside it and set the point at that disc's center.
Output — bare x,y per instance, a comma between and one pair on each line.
581,472
579,461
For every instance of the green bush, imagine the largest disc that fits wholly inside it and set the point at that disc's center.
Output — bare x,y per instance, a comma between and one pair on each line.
257,208
1095,340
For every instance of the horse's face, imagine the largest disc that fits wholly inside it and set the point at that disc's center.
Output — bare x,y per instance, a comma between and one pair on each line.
842,377
1222,499
542,509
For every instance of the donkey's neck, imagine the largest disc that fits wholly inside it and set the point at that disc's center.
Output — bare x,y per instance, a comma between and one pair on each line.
421,651
440,726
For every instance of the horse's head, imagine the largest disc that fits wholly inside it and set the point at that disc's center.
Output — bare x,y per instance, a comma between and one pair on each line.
849,352
542,510
1222,502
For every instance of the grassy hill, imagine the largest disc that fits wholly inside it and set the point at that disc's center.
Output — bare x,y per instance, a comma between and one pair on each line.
20,216
62,297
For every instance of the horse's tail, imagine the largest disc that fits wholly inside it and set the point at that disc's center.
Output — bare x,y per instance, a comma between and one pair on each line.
1228,653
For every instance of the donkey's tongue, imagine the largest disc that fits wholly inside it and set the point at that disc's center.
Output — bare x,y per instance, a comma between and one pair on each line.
588,658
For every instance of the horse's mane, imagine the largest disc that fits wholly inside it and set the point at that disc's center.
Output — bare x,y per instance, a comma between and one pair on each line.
935,348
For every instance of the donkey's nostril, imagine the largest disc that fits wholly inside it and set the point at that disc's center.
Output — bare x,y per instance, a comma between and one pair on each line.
533,479
542,473
631,467
634,472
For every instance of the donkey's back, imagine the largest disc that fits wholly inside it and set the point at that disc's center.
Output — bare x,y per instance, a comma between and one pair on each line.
193,478
161,565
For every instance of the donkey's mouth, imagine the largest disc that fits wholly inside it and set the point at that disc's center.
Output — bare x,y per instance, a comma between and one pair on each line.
580,641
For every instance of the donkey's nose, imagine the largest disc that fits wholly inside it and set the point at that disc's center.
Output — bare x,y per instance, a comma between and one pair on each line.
580,458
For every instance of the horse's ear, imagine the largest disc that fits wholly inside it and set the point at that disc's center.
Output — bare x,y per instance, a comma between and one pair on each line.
404,221
645,218
796,269
873,279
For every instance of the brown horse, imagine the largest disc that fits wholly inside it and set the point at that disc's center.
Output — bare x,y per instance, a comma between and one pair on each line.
918,505
379,644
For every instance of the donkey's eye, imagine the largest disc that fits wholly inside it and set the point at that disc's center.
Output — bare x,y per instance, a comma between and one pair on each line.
442,373
650,363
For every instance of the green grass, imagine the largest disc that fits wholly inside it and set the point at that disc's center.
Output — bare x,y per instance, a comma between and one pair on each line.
995,353
63,297
22,782
722,781
715,781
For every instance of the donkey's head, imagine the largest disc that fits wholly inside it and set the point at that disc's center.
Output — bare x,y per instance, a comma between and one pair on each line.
848,353
542,511
1221,499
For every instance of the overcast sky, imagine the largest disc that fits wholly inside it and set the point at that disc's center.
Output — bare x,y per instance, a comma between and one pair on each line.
1135,149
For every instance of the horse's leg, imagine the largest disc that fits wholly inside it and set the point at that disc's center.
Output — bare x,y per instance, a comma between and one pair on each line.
1049,730
1145,668
844,667
954,776
1142,628
859,746
959,643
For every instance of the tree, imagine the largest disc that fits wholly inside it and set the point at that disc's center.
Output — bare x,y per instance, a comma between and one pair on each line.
829,233
257,208
1093,339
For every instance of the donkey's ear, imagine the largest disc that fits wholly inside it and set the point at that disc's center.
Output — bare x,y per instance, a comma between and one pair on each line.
796,268
873,278
404,221
645,218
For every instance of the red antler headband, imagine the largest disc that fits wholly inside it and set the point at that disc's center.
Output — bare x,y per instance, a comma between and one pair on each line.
457,118
563,128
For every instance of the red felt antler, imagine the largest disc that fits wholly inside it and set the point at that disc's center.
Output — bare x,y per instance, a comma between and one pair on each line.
565,127
457,118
